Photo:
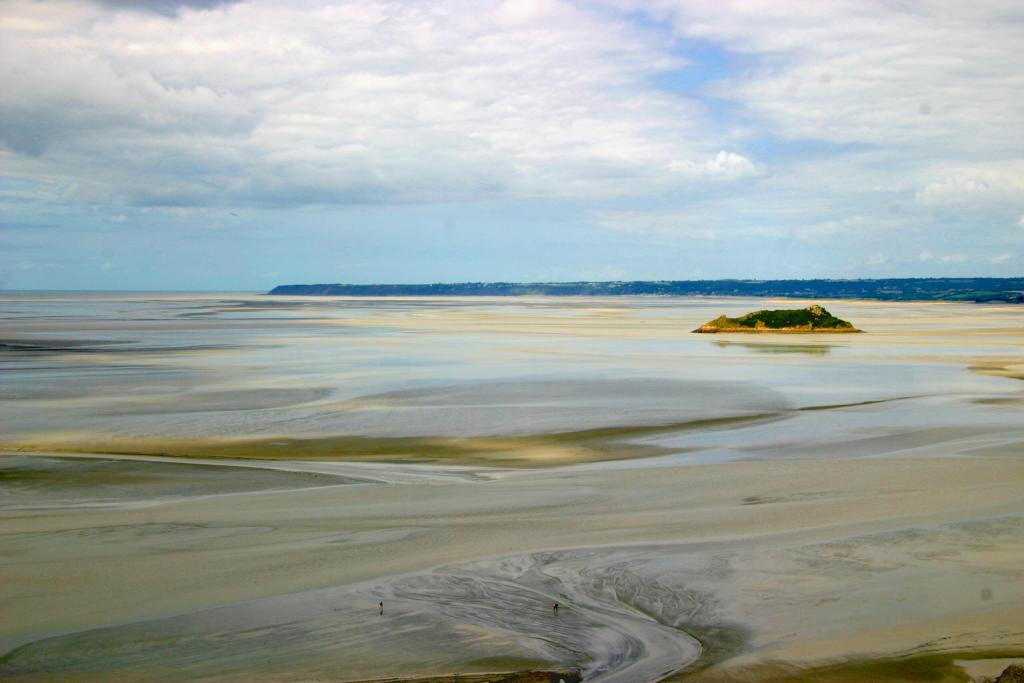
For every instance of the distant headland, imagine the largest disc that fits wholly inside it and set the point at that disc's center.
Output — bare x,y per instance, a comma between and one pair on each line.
801,320
978,290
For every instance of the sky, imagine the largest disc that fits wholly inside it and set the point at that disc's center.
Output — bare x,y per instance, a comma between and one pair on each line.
218,145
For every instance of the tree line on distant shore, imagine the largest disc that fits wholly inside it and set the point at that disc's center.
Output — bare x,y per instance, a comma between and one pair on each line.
979,290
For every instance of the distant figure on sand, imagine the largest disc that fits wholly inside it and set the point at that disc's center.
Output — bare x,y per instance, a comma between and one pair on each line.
556,608
381,605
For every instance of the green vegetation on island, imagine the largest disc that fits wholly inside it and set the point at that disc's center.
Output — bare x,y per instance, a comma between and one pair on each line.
810,319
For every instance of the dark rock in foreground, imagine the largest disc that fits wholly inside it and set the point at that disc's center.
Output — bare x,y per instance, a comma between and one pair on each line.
1012,674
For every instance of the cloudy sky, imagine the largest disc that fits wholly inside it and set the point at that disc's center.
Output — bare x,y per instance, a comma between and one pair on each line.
238,145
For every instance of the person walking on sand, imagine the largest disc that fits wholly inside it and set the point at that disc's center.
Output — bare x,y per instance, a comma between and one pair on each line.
381,605
556,608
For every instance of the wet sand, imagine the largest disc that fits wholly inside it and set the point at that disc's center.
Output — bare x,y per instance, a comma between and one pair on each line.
757,512
798,561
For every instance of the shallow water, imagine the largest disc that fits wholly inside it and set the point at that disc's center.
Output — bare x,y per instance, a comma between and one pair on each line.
188,366
868,482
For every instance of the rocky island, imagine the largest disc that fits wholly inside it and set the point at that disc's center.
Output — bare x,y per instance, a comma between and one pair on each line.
801,320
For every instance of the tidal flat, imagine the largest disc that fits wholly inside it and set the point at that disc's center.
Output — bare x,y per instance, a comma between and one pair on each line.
224,487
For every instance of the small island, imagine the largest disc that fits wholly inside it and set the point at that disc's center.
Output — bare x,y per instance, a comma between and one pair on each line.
800,320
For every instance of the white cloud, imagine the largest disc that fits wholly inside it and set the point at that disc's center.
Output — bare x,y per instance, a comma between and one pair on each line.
921,98
354,101
724,165
873,71
977,183
927,256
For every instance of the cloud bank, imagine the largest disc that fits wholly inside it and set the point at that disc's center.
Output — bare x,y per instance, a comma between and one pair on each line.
360,101
517,139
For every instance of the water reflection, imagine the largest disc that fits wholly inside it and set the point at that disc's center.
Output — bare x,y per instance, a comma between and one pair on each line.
758,347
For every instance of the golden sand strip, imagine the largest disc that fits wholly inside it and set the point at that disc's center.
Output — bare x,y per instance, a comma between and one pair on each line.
999,369
561,448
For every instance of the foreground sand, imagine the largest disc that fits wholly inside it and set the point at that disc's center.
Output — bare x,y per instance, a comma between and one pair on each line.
801,561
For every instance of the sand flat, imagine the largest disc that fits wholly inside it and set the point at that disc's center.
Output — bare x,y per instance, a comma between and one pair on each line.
720,506
697,517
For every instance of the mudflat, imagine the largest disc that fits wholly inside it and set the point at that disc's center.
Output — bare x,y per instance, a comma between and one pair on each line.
786,509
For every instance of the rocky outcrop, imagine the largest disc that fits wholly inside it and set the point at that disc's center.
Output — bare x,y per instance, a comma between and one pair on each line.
810,319
1012,674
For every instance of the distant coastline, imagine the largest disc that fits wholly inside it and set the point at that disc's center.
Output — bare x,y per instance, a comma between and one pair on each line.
976,290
